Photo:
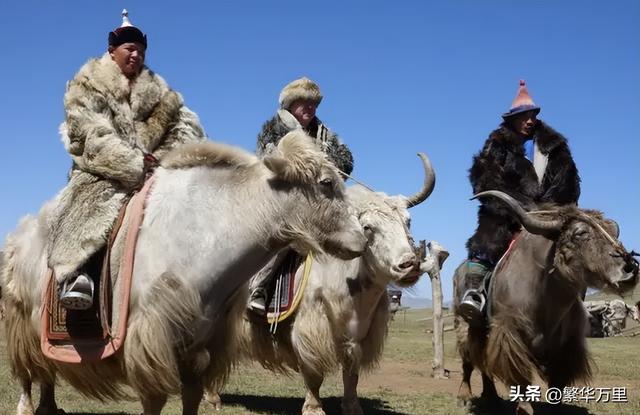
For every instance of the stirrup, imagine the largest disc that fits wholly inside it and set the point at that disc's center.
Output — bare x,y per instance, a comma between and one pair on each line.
77,295
258,300
470,309
474,293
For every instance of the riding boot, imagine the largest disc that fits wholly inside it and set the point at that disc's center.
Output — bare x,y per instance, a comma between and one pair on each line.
260,283
76,293
471,306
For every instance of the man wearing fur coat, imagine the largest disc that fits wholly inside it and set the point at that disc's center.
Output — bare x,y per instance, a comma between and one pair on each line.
298,103
119,118
528,160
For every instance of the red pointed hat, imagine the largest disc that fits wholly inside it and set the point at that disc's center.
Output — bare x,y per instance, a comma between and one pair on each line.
522,102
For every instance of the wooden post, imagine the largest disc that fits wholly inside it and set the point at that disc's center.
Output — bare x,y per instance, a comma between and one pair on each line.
432,264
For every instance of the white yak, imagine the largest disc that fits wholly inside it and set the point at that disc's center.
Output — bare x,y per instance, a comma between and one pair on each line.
343,318
215,216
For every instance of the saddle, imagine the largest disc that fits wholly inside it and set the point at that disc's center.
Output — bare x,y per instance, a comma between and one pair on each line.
75,336
488,281
287,288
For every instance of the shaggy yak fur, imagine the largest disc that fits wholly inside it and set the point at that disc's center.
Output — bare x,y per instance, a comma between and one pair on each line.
182,279
538,323
317,340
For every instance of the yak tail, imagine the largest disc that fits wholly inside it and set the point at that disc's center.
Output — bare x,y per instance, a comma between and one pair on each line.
160,334
507,356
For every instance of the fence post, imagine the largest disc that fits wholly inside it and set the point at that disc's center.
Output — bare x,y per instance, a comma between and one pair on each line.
432,265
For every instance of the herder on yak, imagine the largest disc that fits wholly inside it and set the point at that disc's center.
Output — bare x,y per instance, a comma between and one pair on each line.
298,101
529,161
119,118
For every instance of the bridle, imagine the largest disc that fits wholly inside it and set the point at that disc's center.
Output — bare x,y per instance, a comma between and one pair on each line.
620,252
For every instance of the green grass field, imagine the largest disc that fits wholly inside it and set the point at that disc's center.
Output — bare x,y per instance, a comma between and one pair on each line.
402,385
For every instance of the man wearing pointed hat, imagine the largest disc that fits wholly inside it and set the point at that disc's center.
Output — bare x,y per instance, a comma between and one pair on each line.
298,102
120,117
531,162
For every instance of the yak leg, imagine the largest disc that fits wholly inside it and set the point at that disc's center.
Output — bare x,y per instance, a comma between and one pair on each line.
350,402
25,405
574,364
524,407
153,404
192,392
489,391
312,404
47,404
464,392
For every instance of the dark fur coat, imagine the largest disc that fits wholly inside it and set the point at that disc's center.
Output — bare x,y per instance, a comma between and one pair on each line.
502,165
283,122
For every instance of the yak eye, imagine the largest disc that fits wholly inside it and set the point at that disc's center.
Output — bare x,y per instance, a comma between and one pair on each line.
326,182
581,234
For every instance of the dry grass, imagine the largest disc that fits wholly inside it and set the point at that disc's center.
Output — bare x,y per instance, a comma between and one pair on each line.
402,385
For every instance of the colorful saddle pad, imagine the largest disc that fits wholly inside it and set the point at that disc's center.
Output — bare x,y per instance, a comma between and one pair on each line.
75,336
289,288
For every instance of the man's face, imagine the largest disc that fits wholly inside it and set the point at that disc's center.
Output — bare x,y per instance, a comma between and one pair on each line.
304,110
129,57
524,123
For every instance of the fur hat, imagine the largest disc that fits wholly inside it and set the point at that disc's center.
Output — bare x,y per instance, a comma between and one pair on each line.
522,102
126,33
303,88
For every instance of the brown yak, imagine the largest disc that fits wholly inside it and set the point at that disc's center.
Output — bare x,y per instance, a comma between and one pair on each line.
537,319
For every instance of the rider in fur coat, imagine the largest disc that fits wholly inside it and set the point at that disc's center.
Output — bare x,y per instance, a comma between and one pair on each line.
528,160
120,117
298,103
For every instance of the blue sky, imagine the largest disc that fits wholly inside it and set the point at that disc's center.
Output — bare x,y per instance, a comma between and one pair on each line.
398,78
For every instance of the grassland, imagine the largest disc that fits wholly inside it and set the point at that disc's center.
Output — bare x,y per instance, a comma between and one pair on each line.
402,385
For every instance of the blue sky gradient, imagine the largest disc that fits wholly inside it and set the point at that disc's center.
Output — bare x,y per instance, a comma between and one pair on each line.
398,78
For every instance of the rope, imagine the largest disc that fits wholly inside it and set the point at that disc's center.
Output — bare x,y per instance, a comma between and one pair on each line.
357,181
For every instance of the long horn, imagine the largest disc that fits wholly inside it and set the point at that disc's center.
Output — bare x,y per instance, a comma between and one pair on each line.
531,223
427,187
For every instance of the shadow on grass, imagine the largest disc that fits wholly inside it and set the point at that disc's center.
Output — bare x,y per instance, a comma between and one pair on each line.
286,405
480,406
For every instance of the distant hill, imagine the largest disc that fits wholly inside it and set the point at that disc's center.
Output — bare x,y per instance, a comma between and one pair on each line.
416,302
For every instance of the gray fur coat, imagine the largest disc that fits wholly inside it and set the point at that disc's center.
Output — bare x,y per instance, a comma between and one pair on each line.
283,122
110,123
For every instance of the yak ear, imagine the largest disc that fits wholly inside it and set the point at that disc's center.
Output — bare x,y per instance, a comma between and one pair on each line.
278,165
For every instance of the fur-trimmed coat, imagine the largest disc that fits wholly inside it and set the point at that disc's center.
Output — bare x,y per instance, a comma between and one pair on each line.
283,122
502,165
110,123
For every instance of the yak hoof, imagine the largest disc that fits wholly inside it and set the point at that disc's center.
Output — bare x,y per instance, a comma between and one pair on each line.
43,410
524,408
312,410
352,408
213,399
462,402
24,409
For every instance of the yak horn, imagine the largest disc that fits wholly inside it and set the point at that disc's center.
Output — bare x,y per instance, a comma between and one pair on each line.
427,187
530,222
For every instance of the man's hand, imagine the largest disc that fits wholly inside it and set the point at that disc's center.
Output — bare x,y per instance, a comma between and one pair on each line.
150,162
